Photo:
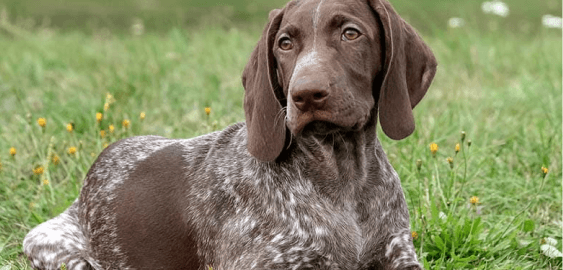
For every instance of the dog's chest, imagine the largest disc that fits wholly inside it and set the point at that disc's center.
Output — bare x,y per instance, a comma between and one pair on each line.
294,231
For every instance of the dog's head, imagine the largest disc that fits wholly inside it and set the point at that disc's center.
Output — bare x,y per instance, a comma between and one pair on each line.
322,65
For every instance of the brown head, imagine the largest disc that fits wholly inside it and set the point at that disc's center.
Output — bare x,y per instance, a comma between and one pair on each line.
331,65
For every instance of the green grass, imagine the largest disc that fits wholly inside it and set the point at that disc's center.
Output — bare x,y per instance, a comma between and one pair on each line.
502,87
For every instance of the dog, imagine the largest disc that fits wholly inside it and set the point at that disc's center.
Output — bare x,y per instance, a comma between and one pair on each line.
303,183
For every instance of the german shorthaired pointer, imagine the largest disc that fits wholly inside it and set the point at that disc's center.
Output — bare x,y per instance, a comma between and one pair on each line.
303,184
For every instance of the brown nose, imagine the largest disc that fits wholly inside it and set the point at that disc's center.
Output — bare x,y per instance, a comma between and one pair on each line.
309,99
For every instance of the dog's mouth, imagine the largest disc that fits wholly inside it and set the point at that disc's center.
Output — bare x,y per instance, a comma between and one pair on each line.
326,128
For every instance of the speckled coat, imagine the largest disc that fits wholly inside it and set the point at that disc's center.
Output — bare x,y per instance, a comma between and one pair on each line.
303,184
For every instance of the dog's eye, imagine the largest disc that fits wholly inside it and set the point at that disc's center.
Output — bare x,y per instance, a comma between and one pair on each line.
350,34
285,44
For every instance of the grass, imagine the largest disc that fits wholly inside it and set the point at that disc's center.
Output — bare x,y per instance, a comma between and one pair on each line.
501,86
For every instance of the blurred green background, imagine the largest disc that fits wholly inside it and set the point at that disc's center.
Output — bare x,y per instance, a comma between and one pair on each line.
161,15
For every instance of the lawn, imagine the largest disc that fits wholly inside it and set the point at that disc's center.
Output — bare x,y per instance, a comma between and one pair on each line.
491,206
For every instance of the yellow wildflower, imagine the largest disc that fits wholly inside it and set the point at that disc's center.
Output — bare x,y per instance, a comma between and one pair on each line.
55,159
69,127
42,122
45,182
106,106
433,149
474,200
544,170
142,115
450,161
102,133
105,145
414,235
39,170
111,128
99,116
72,150
457,147
126,123
12,151
207,110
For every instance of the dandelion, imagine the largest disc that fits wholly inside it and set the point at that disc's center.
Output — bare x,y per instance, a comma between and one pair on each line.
433,149
550,21
55,159
450,161
42,122
457,148
207,110
111,128
102,133
71,150
544,170
45,182
414,235
125,123
38,170
496,7
99,116
13,151
142,115
474,200
70,127
456,22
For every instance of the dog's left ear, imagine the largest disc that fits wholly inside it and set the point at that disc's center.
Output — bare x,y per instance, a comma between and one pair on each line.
265,119
409,69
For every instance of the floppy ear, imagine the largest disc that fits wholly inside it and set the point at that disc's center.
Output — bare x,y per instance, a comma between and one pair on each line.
409,69
265,119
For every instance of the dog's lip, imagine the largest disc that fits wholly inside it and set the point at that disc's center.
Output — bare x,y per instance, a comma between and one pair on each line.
323,125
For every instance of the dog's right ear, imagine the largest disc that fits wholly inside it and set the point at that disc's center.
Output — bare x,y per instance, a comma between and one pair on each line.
265,118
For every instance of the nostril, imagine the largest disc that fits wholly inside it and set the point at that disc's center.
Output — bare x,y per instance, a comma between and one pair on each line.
309,99
320,95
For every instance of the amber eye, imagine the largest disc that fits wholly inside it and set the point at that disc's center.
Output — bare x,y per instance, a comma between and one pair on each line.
350,34
286,44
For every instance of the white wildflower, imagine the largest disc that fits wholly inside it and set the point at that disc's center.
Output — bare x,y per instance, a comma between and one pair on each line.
550,251
442,215
550,241
138,28
456,22
551,21
495,7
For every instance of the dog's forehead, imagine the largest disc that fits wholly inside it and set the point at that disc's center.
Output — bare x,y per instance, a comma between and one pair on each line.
313,13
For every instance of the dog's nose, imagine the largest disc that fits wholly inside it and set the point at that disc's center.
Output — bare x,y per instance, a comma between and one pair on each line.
309,99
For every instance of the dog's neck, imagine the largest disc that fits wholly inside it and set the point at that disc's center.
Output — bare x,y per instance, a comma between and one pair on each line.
338,163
